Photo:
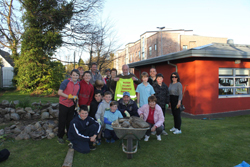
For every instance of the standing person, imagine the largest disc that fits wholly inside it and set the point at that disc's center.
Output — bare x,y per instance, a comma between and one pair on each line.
81,70
94,73
113,87
144,90
152,114
68,92
83,131
175,91
86,90
152,78
108,75
162,95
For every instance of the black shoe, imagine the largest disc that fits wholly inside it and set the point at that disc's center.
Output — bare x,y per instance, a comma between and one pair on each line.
92,147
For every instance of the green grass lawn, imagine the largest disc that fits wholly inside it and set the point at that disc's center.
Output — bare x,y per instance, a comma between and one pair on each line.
206,143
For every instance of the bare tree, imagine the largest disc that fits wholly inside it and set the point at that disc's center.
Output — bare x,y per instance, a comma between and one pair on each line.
10,26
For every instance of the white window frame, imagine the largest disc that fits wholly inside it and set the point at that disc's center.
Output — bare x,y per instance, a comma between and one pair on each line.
234,87
150,51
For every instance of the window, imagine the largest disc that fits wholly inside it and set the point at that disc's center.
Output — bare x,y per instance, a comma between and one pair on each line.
139,54
234,82
184,47
155,47
150,51
143,51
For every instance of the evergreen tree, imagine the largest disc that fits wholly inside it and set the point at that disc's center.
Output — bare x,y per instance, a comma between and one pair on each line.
43,20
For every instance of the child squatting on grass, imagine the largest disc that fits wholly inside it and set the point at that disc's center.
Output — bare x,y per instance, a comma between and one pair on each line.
83,131
68,91
109,117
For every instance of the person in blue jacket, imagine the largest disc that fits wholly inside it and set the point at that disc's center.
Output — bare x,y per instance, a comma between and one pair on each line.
83,131
127,106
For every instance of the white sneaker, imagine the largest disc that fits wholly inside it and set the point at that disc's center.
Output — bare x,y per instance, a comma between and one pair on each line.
164,132
146,138
172,130
158,137
153,133
177,131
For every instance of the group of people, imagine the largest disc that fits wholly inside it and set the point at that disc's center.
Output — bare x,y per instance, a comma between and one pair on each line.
98,109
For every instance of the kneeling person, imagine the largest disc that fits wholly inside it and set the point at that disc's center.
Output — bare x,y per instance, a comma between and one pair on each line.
109,117
83,131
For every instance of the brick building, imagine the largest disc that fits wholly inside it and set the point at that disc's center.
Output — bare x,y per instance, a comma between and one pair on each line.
149,45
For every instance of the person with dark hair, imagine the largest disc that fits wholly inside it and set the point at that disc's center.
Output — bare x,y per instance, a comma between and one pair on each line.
86,90
175,91
112,88
127,106
152,77
83,131
162,95
94,73
68,92
108,75
109,117
153,115
95,103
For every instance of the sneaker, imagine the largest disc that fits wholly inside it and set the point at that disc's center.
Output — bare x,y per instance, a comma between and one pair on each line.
112,141
70,145
108,141
177,131
98,142
164,132
60,140
146,138
173,129
92,147
153,133
158,137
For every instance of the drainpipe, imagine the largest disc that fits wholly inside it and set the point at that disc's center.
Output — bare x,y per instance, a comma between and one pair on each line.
176,69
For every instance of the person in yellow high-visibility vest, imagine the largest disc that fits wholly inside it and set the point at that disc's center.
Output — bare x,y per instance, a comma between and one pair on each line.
125,75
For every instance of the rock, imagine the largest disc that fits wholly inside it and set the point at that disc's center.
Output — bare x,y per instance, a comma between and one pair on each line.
14,116
26,136
54,105
3,111
20,110
36,134
13,126
5,103
54,113
7,130
1,120
1,132
27,129
35,104
29,110
51,116
36,116
10,110
37,111
51,135
51,124
38,125
27,116
55,130
17,131
20,137
44,110
7,117
45,115
16,102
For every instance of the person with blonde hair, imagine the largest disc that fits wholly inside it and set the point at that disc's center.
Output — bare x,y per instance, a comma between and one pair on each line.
99,85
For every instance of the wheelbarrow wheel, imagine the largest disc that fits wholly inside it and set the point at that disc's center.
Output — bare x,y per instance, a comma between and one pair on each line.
129,147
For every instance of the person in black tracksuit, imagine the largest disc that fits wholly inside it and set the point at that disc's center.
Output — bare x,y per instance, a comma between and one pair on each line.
95,103
83,131
161,93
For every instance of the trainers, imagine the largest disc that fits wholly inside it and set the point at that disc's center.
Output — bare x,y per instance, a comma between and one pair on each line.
70,145
153,133
177,131
98,142
60,140
108,141
173,129
92,147
146,138
158,137
164,132
112,141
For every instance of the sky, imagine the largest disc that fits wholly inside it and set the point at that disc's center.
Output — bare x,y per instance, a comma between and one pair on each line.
215,18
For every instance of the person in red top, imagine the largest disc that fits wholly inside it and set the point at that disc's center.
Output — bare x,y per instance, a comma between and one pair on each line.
153,115
86,90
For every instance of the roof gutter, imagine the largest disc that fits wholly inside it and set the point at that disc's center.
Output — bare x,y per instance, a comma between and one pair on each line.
176,69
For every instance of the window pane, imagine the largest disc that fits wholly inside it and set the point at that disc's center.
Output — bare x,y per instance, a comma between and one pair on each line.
242,72
242,91
223,71
241,81
226,82
227,91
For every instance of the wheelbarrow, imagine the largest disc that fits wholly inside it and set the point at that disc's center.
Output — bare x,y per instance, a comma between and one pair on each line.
130,134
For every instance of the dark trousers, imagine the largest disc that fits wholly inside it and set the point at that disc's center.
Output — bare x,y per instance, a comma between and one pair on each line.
163,110
81,145
65,116
158,130
108,134
176,112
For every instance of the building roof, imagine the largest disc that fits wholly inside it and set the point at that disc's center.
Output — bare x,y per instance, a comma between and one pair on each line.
214,50
7,57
